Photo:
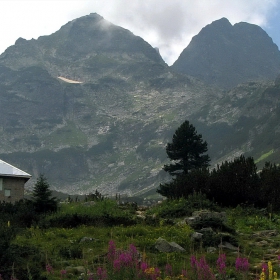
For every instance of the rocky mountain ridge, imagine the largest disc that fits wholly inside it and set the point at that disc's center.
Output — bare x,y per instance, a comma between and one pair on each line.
92,106
226,55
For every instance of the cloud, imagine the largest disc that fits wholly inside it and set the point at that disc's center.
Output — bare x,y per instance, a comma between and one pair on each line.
170,24
166,24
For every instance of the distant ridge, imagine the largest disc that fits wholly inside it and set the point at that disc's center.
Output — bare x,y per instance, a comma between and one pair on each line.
226,55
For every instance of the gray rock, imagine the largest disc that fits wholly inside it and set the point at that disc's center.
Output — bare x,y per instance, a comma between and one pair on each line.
206,214
89,203
208,230
265,233
211,250
79,269
197,236
87,239
229,246
164,246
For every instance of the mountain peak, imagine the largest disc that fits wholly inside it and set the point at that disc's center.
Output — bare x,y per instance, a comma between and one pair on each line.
81,46
226,55
221,22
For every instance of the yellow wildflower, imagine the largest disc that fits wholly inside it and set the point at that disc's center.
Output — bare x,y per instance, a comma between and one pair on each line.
270,270
150,270
262,275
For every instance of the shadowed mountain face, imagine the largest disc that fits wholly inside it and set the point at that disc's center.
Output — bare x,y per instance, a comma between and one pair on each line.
92,106
226,55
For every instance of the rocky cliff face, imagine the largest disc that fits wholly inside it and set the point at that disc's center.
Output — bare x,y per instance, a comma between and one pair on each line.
92,106
226,55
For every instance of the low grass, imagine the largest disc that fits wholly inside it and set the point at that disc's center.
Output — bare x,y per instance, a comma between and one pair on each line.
264,156
67,135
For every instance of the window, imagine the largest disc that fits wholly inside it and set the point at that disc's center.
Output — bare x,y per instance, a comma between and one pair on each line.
1,184
7,192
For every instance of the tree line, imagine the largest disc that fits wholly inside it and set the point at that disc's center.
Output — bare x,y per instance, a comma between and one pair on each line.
229,184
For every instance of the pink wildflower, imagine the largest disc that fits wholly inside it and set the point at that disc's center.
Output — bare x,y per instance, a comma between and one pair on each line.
168,270
242,264
143,266
101,274
193,262
184,273
156,274
117,264
264,267
49,268
111,250
62,273
203,270
221,264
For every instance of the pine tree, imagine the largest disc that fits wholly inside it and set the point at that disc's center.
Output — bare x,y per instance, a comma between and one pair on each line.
187,153
42,196
270,182
235,182
187,150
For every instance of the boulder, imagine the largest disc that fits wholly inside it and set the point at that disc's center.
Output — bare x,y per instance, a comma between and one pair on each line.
167,247
87,239
229,246
265,233
197,236
211,250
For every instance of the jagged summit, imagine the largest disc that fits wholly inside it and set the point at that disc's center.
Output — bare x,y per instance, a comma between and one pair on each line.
226,55
81,47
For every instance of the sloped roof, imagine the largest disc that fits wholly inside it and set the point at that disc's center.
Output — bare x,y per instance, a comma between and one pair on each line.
7,169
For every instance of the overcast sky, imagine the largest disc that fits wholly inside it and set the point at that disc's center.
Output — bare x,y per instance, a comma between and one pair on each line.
166,24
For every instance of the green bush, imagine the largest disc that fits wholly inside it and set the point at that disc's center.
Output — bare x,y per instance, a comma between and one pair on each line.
183,206
102,213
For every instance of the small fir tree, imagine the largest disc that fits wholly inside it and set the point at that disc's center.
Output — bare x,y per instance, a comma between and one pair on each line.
42,196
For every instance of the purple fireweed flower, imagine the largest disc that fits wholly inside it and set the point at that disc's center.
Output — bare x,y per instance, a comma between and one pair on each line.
156,274
143,266
242,264
264,267
168,270
101,274
221,264
111,250
62,273
184,272
90,275
193,262
49,269
117,264
133,251
203,270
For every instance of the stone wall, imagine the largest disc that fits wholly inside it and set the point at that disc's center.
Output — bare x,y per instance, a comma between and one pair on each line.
16,187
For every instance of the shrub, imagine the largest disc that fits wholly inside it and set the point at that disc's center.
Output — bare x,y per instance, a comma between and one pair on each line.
102,213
